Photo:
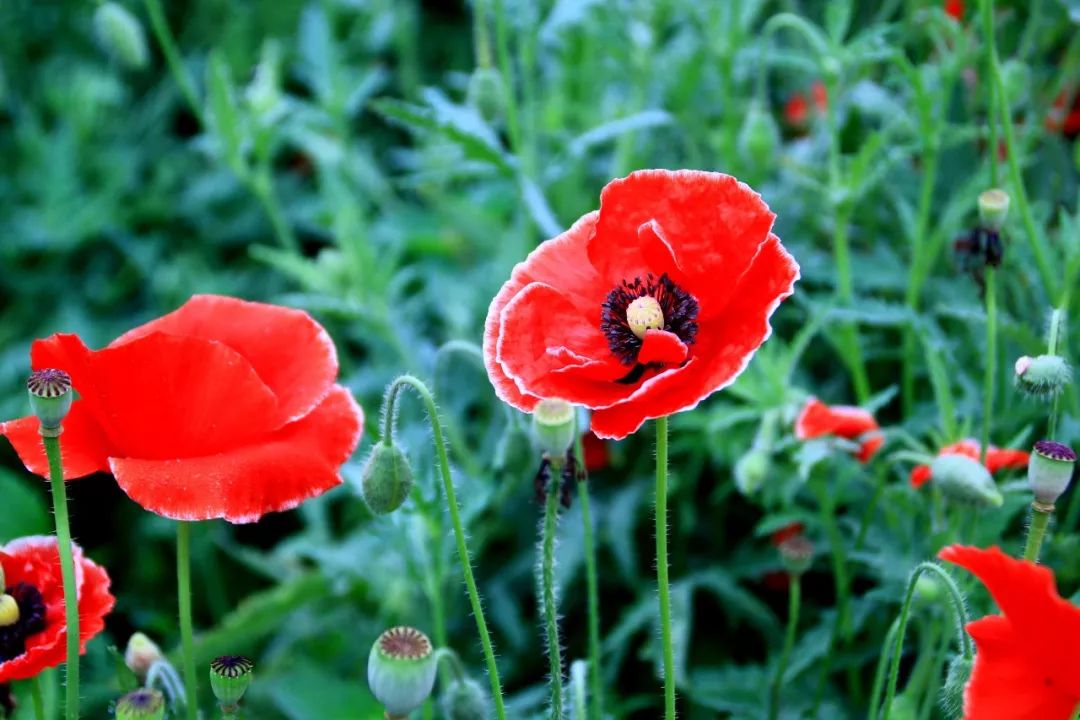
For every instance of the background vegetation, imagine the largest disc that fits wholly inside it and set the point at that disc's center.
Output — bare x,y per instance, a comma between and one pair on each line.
349,157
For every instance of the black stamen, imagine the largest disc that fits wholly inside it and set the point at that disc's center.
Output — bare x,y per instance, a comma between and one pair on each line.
31,620
679,307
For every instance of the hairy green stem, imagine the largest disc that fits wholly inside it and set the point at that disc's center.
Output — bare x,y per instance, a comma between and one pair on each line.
187,632
67,572
841,630
989,377
1040,520
548,597
662,566
596,695
879,672
389,404
794,596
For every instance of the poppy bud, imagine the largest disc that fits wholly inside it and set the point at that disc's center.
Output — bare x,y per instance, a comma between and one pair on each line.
553,427
752,469
387,478
903,708
121,35
465,699
263,94
140,654
961,478
928,588
141,704
9,611
993,208
759,137
797,554
485,94
401,670
1050,470
1043,376
952,692
50,398
230,676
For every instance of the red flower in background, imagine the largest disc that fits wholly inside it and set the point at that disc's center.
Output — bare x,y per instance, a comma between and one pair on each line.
1064,116
789,531
645,307
996,459
221,409
597,453
38,638
955,9
797,108
816,419
1025,667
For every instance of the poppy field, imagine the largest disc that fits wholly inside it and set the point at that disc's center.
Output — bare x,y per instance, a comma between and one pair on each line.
539,359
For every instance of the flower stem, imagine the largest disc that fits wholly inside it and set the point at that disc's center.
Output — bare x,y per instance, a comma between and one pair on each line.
596,699
662,566
164,36
548,598
183,596
897,648
794,594
1057,330
841,630
39,701
879,672
1040,520
67,571
991,361
455,519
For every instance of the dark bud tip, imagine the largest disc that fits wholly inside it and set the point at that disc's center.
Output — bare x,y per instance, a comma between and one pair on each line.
230,676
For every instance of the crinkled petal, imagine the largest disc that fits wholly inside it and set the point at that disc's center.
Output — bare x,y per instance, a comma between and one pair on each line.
290,351
816,419
869,445
724,347
241,484
660,346
84,449
997,459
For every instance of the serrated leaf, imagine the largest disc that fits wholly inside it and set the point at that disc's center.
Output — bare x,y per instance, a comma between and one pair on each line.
475,138
616,128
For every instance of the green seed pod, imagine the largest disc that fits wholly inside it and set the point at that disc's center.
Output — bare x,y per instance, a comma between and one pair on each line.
759,136
965,480
121,35
140,654
952,692
141,704
797,554
553,427
752,470
230,676
401,670
1043,376
387,479
486,94
993,208
1050,470
465,699
50,398
903,707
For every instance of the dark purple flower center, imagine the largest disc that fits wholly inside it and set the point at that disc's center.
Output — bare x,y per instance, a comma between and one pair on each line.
31,621
232,666
678,307
48,383
1055,451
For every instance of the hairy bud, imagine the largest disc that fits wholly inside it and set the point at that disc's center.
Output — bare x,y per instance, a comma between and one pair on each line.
387,479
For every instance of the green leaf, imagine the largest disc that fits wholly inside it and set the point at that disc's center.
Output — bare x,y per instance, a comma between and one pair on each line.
464,128
222,113
25,509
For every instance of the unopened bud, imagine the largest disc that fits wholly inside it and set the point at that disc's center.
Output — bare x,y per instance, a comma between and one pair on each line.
121,35
928,588
387,479
263,94
752,470
141,704
963,479
797,554
230,676
952,692
759,136
554,427
50,398
993,208
401,670
140,654
486,95
1044,376
1050,470
465,699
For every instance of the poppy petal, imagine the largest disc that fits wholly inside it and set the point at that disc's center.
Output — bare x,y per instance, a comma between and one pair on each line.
724,347
561,261
281,470
869,446
84,449
920,474
847,421
660,346
700,214
997,459
290,351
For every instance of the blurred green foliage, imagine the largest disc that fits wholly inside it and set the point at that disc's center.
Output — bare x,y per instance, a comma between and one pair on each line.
349,157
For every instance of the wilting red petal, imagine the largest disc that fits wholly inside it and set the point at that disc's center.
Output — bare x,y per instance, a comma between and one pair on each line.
869,447
291,352
660,346
560,259
241,484
84,448
724,346
919,475
686,215
997,459
779,537
816,419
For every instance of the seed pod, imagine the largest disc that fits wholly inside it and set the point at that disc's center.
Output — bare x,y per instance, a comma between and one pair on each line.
952,692
797,554
963,479
465,699
50,397
1050,470
401,670
752,470
1043,376
141,704
121,35
993,208
230,676
486,94
387,479
553,427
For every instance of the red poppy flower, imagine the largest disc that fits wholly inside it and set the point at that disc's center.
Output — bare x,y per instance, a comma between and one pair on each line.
820,96
791,530
796,110
221,409
37,639
1064,116
955,9
996,459
1025,667
816,419
597,454
645,307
